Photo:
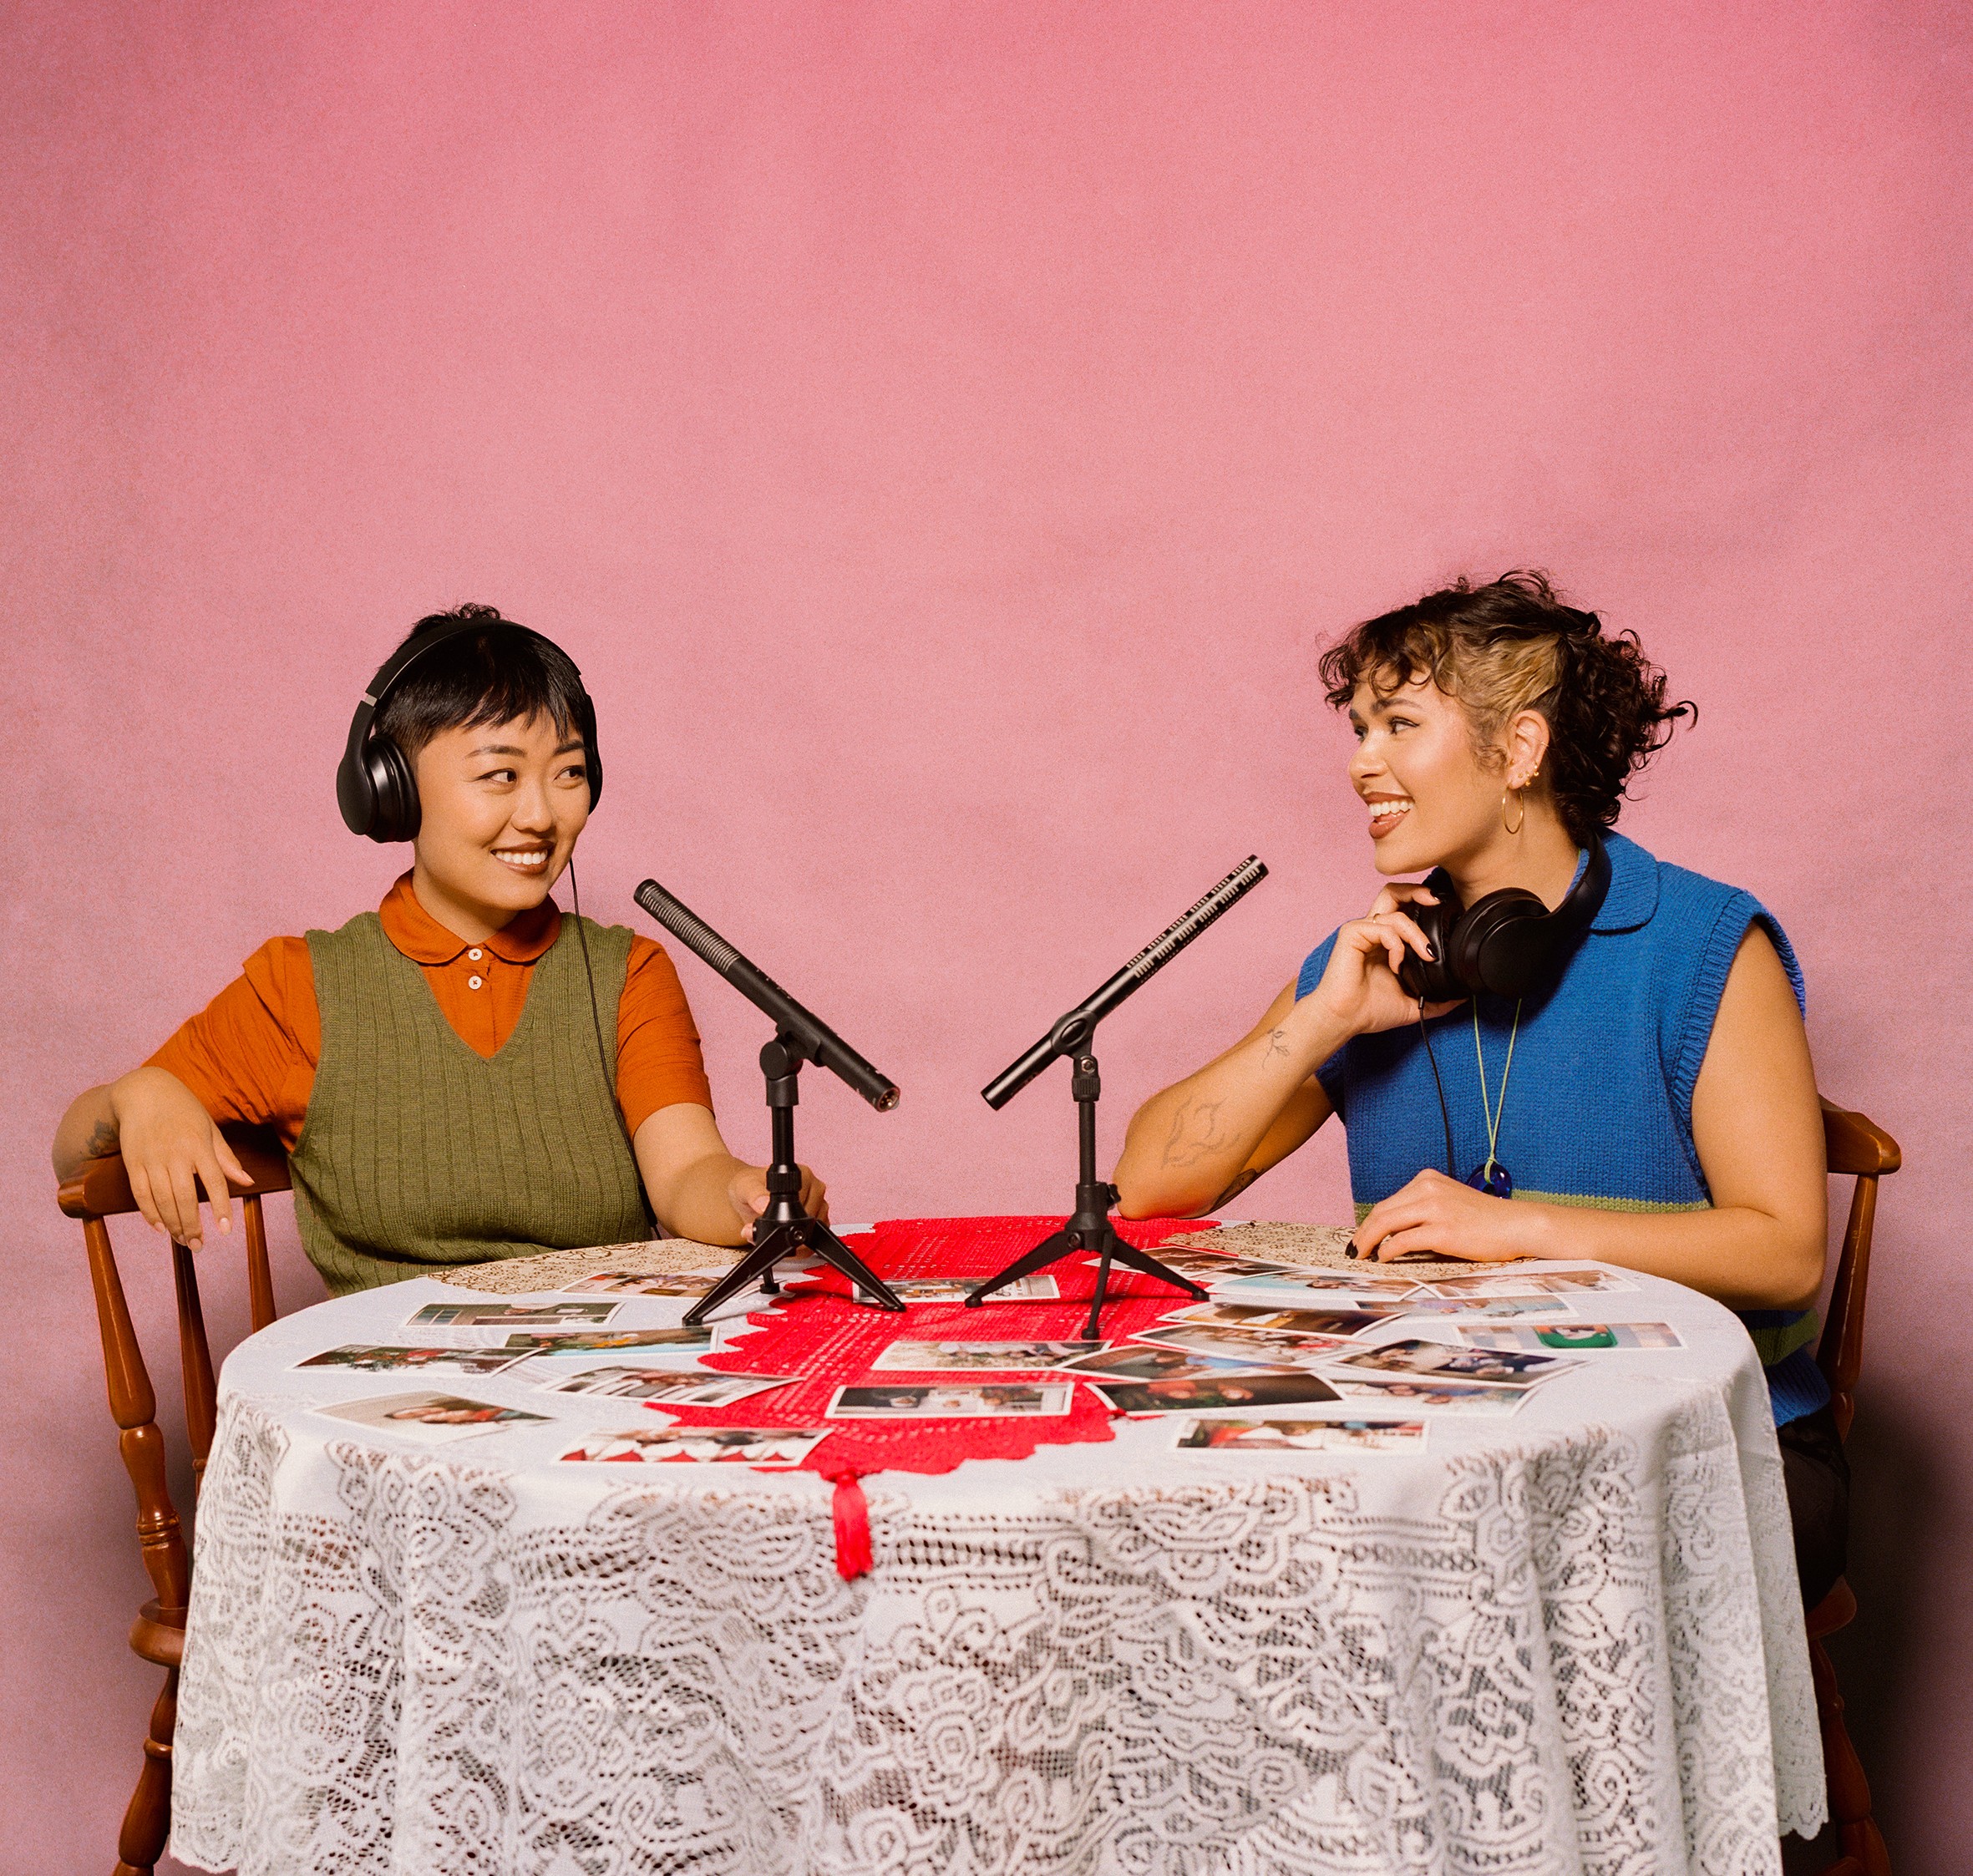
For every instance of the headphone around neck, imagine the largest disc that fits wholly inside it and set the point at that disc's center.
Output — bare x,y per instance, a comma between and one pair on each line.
376,788
1508,943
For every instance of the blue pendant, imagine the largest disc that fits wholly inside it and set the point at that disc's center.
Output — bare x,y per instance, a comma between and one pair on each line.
1497,1183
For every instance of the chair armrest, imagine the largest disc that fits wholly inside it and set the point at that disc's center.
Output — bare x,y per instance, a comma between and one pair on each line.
1857,1144
101,1188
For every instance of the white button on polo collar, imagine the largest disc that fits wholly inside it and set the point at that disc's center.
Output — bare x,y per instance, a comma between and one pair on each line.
473,954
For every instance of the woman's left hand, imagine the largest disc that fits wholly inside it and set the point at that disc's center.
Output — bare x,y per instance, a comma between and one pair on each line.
748,1195
1449,1218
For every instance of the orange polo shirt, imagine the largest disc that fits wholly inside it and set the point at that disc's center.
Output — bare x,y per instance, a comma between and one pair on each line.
250,1053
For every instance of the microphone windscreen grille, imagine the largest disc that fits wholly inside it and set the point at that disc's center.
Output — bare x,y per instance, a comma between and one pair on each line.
684,927
1189,924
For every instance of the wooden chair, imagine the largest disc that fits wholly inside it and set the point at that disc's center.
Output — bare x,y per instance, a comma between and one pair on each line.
1856,1146
99,1191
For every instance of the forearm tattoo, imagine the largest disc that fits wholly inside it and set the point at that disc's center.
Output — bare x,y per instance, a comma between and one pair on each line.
101,1143
1277,1044
1195,1133
1241,1180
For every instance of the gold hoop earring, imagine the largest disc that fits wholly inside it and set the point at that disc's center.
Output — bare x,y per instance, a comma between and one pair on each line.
1518,824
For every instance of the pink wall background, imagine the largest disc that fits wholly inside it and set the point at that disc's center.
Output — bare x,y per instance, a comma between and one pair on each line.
945,435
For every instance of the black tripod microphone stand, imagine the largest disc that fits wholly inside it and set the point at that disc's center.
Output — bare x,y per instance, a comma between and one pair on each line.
784,1228
1089,1232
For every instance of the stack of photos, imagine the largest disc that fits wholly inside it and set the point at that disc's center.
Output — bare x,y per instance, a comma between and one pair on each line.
1533,1283
1246,1348
430,1419
1577,1336
776,1447
929,1357
1315,1321
1299,1436
1216,1393
666,1386
376,1358
987,1400
511,1315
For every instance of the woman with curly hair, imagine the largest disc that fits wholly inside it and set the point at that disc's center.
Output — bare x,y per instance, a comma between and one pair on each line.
1636,1088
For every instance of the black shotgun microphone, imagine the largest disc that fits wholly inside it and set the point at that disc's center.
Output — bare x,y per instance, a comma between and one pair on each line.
1072,1032
821,1043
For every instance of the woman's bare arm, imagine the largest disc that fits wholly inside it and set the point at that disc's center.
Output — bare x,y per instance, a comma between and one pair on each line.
1757,1125
696,1187
170,1143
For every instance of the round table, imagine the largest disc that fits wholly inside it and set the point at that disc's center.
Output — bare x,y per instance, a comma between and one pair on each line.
1567,1641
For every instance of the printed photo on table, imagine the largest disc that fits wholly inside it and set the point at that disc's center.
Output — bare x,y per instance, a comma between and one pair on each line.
956,1290
1417,1396
1211,1393
665,1386
930,1358
1578,1335
779,1446
987,1400
1208,1268
511,1315
431,1418
1251,1348
1299,1436
631,1283
1286,1321
1491,1309
680,1340
1143,1361
1324,1291
375,1358
1532,1283
1500,1367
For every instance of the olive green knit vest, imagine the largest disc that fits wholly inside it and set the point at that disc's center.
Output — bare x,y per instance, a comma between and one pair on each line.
417,1150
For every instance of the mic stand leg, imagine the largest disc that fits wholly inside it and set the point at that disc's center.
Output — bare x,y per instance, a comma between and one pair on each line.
1089,1230
784,1228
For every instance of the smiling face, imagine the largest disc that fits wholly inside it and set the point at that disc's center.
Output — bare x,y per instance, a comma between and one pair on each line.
1433,795
502,808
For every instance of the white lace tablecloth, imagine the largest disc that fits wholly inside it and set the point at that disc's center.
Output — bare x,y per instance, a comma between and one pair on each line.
1569,1642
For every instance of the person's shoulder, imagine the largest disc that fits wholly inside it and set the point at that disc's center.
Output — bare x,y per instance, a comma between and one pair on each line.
1680,890
1707,919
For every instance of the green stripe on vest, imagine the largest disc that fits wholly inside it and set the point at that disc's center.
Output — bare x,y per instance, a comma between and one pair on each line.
418,1151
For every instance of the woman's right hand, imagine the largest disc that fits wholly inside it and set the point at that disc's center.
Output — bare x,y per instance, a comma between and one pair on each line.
170,1143
1359,990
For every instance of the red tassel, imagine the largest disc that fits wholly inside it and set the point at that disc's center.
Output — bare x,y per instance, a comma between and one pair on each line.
853,1527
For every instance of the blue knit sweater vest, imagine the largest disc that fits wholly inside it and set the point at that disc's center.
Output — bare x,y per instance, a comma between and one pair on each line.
1599,1108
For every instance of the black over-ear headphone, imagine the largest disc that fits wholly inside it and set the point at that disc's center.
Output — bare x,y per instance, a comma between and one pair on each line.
375,786
1509,942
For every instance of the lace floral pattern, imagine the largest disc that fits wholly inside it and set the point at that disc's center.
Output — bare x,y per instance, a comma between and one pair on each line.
1566,1651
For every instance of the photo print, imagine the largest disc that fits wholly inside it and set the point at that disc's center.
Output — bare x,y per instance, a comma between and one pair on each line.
1490,1308
1214,1393
631,1283
780,1448
1417,1394
1251,1348
1145,1362
1300,1436
1315,1321
431,1419
1532,1283
1498,1367
987,1400
376,1358
511,1315
702,1341
666,1386
931,1357
1561,1336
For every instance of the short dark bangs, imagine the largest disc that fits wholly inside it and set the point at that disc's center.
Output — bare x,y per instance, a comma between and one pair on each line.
500,673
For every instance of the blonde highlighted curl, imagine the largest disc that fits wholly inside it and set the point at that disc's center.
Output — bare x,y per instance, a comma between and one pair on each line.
1514,645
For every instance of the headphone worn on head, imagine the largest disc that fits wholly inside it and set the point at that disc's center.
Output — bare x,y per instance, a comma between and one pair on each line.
1509,942
375,786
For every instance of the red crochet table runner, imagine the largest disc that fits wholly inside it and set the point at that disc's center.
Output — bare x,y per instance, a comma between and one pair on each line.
819,1334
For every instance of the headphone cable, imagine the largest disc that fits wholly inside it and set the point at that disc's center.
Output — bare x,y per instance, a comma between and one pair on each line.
1444,1113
